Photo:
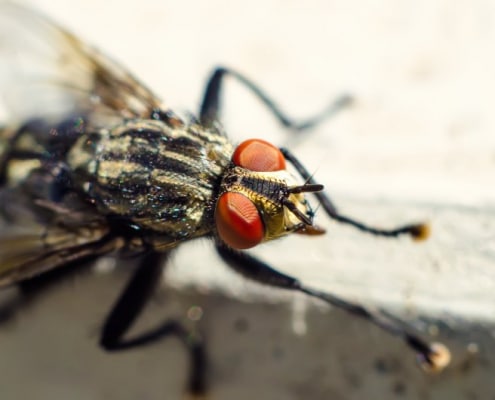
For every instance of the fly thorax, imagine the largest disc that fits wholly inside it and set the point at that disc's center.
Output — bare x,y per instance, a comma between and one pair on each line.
154,176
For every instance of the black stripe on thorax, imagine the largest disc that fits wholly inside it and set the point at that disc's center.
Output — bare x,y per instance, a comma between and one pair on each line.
155,137
161,194
152,161
269,188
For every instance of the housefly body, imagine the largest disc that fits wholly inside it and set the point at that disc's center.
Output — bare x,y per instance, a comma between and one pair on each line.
93,163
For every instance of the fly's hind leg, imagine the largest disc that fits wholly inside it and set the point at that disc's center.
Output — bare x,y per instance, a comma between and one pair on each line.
127,309
210,106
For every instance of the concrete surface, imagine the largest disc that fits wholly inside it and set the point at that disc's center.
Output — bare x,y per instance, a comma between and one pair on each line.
418,144
49,351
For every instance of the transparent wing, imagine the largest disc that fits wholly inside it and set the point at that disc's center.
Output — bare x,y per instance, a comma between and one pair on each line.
46,71
39,234
48,77
27,255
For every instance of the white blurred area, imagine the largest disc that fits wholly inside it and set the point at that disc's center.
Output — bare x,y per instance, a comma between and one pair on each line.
418,144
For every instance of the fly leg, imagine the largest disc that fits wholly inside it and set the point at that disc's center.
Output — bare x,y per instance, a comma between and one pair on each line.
210,106
417,231
127,309
210,112
432,356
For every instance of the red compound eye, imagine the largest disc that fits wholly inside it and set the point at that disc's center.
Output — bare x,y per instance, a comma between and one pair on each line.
238,221
258,155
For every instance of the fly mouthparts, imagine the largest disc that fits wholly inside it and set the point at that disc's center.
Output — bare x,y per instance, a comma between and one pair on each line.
306,188
292,207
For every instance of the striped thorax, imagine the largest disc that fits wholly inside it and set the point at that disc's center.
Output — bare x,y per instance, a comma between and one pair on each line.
162,179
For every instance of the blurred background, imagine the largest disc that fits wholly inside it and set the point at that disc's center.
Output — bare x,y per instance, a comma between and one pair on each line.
416,145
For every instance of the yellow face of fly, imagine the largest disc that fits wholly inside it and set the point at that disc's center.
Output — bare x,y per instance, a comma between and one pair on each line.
259,199
277,218
270,192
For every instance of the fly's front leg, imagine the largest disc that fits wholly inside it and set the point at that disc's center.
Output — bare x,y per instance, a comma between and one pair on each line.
417,231
210,106
432,356
127,309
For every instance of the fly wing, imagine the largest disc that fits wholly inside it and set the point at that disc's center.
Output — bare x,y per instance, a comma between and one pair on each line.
26,255
49,77
39,234
46,71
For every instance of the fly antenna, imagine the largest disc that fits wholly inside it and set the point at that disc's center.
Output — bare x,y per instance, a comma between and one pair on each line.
306,188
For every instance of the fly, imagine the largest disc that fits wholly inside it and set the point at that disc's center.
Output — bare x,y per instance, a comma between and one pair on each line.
94,163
